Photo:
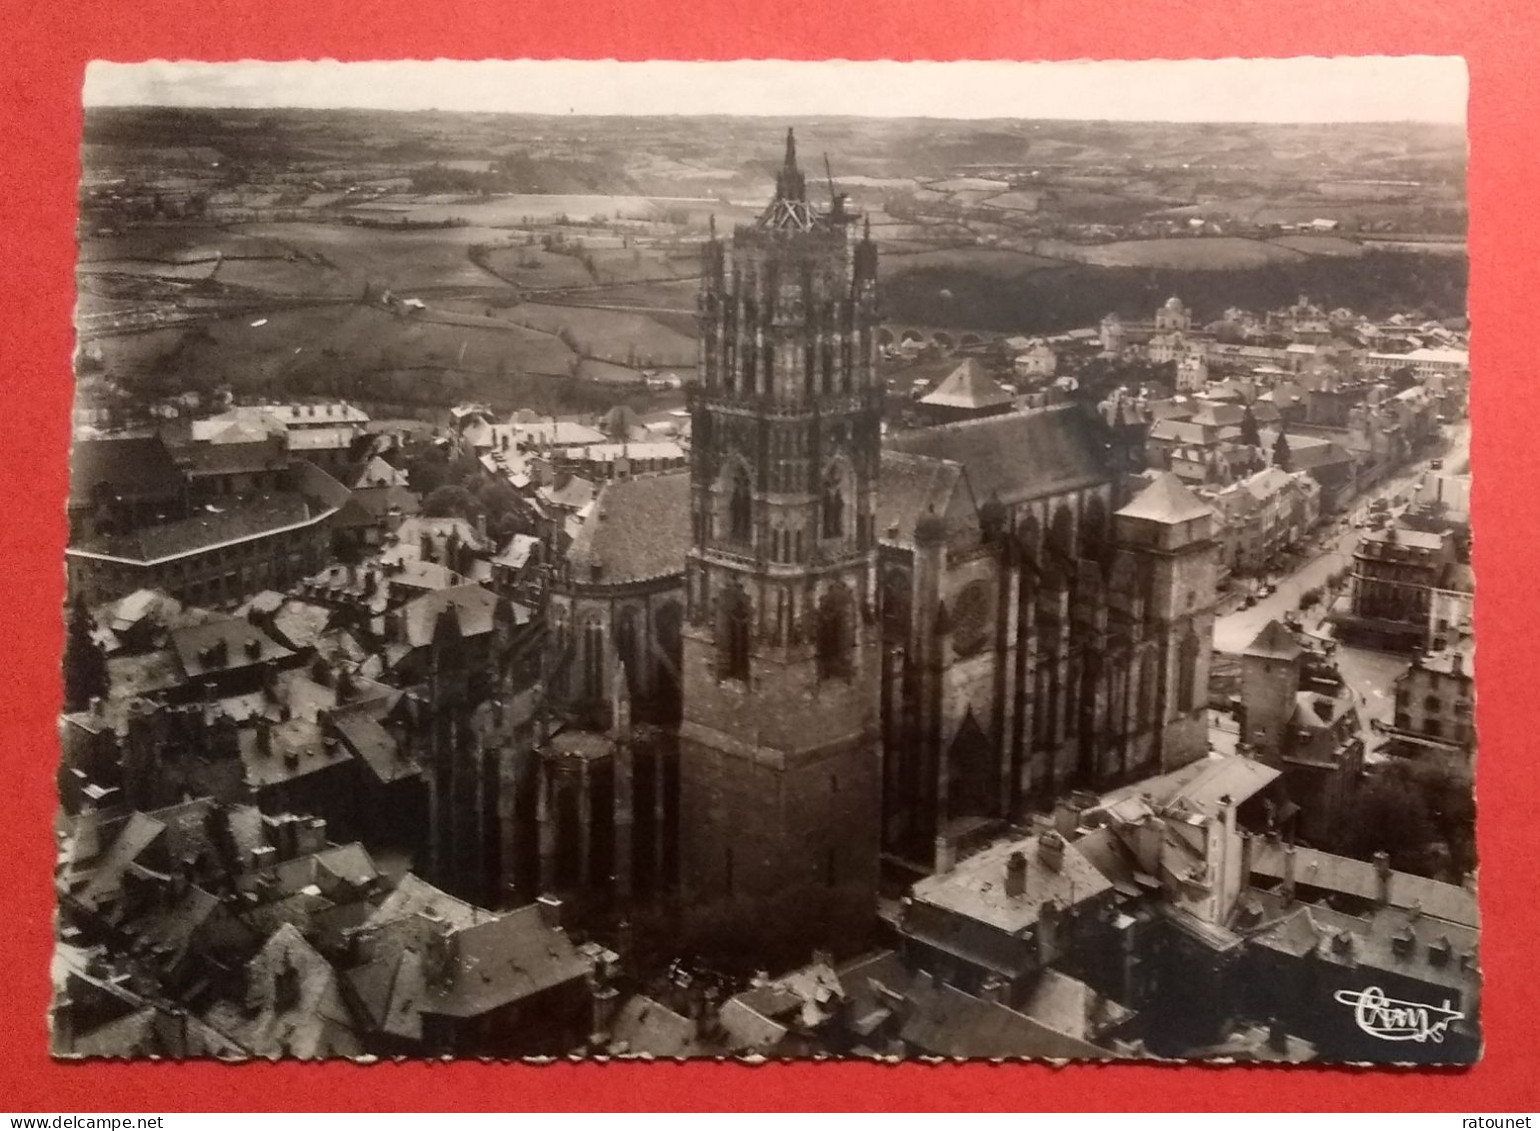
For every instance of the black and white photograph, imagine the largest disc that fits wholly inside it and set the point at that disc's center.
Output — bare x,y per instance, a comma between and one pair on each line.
760,560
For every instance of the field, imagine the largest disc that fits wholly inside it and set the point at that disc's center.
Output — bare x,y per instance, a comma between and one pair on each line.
986,261
616,336
1320,245
1218,253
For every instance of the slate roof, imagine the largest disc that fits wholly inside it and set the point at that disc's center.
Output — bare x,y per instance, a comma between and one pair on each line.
513,957
975,888
364,735
1016,455
1165,500
377,502
1275,642
639,530
236,635
203,531
644,1027
1222,781
968,386
268,454
416,896
472,604
910,486
298,737
135,466
945,1021
1329,872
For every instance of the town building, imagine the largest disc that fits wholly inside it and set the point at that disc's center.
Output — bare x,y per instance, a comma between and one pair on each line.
1435,701
1395,574
1297,714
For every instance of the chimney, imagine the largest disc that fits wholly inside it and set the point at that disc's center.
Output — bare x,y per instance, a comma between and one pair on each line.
1382,876
481,526
1288,874
1016,875
1277,1036
1050,850
264,735
993,989
946,856
254,648
550,911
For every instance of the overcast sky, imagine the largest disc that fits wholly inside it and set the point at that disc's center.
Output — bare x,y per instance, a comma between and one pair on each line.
1415,88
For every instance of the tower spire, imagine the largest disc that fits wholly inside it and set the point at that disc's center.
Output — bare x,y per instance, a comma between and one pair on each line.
791,149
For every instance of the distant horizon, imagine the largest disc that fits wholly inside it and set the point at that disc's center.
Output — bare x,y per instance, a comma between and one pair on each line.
1376,90
769,116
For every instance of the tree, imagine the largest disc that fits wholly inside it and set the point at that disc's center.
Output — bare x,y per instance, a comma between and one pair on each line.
85,667
451,501
1249,434
1282,459
1422,813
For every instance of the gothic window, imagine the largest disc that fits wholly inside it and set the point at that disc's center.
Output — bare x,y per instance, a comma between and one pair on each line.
593,659
971,618
628,644
1149,707
1061,538
833,503
896,604
836,634
1093,530
1187,673
740,507
734,634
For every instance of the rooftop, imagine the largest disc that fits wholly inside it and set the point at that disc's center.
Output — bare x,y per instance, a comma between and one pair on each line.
212,528
968,386
975,888
639,530
1166,501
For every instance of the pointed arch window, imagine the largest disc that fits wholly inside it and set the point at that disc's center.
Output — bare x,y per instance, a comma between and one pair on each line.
740,506
593,659
834,502
734,634
836,634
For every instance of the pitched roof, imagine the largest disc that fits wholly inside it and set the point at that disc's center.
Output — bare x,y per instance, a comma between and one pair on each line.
364,735
1165,500
237,643
134,467
265,454
945,1021
968,386
513,957
1274,642
975,888
1016,455
1350,876
472,604
644,1027
911,486
204,531
639,530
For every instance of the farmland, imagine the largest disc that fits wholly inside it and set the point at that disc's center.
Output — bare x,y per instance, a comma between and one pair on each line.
427,254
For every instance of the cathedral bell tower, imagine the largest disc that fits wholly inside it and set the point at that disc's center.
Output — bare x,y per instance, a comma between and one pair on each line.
780,745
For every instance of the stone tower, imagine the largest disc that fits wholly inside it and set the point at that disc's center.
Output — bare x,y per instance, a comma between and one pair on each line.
780,740
1166,572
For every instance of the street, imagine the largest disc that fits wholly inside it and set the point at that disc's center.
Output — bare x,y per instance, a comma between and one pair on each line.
1368,672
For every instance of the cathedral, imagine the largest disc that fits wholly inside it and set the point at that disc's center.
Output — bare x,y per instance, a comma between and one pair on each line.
827,652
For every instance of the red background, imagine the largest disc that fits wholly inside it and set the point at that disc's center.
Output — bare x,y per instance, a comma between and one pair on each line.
40,74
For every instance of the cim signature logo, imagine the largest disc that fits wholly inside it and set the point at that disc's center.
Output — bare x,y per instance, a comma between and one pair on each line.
1392,1020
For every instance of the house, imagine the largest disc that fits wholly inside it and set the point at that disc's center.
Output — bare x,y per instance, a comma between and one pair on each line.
1299,716
967,393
